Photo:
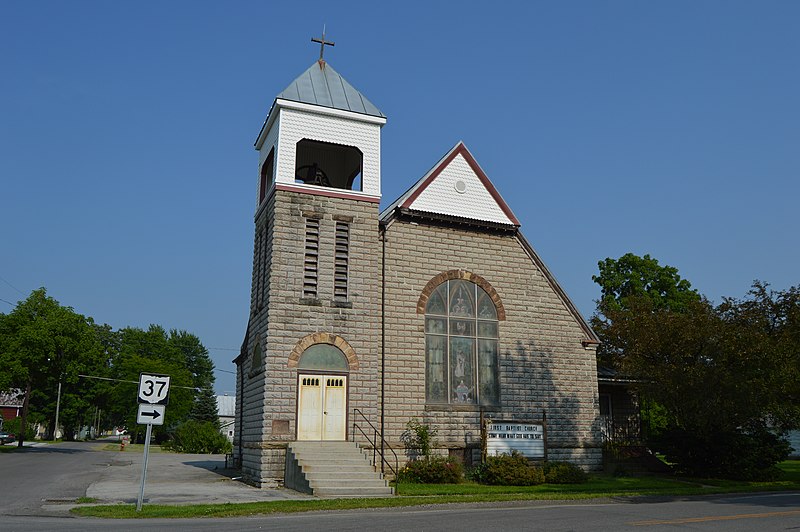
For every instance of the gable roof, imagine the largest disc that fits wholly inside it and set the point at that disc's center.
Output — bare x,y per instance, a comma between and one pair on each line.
436,196
457,188
321,85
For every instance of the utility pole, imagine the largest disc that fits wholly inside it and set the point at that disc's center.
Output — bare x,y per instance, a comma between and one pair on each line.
58,407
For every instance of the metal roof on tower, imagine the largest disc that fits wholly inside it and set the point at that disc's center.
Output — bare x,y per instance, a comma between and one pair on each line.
322,85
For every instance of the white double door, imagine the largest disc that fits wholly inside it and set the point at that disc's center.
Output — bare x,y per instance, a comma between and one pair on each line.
322,407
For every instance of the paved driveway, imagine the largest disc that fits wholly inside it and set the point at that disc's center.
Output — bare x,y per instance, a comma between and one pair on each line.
48,479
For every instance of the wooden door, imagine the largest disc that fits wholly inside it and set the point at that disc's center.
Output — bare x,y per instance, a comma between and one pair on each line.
322,407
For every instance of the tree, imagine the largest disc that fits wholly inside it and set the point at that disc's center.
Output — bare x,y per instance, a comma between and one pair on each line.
148,351
43,343
632,278
196,359
725,376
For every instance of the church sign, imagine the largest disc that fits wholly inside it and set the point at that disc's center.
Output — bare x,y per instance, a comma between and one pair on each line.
504,437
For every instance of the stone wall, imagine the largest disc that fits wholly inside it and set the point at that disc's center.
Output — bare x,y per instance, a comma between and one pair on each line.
287,320
544,365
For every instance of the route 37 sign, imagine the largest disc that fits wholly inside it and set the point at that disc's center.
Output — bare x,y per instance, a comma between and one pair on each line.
153,389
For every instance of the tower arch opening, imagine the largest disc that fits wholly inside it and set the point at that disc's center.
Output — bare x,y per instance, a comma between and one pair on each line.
327,164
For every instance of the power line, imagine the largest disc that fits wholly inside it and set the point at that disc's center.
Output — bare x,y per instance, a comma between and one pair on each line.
9,302
12,286
135,382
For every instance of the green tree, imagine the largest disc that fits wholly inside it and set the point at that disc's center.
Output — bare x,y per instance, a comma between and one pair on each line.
195,357
630,279
148,351
43,343
725,377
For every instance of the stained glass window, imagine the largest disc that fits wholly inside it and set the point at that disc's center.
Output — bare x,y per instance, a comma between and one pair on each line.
461,345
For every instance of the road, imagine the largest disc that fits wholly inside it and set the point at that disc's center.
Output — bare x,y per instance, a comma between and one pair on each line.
764,512
53,473
35,480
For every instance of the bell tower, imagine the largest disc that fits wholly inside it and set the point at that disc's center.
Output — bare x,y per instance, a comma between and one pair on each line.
310,358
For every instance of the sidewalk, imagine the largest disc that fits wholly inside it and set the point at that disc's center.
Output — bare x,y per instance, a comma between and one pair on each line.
178,479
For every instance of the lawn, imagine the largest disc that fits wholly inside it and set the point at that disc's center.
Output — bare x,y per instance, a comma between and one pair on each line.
425,494
134,448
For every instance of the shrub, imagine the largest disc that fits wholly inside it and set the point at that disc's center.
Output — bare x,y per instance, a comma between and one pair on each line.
507,470
738,455
418,439
564,473
199,438
433,470
12,426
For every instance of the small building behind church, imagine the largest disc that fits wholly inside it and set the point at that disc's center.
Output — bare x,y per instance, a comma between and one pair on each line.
436,308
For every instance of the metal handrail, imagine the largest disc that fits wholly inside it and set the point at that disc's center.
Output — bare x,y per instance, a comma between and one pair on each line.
375,450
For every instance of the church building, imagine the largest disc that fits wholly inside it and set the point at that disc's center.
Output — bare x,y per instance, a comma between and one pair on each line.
436,308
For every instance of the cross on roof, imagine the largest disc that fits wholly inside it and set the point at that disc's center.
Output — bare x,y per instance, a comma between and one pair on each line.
322,42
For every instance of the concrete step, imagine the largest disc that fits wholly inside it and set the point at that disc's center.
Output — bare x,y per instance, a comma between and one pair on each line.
337,475
350,484
332,457
354,492
334,469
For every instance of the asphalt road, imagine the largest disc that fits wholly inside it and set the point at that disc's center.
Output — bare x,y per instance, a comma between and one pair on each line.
33,476
34,481
764,512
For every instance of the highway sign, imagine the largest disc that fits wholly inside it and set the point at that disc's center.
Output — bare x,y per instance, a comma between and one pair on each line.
153,389
150,414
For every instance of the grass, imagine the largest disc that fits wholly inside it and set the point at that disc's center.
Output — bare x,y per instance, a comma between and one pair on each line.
133,448
85,500
426,494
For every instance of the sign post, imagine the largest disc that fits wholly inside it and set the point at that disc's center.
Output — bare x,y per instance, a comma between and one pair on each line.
153,397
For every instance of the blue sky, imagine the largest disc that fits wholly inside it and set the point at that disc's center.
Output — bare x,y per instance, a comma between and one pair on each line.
127,169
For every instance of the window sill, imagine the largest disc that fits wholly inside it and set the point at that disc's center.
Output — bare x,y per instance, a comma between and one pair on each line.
462,408
311,301
338,303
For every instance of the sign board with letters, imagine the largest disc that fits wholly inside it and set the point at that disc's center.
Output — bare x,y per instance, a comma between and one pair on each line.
153,388
504,437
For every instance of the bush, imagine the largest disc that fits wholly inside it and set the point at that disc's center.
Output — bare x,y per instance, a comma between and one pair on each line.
12,426
433,470
507,470
564,473
418,439
736,455
199,438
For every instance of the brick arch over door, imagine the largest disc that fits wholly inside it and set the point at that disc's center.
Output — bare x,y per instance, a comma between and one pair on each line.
466,276
324,338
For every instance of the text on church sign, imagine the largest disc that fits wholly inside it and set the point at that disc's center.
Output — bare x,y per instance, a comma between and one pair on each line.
506,437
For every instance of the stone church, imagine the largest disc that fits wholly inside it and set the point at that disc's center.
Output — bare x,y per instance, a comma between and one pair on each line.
436,308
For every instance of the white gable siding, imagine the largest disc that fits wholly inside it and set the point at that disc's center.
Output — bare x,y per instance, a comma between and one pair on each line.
296,126
476,203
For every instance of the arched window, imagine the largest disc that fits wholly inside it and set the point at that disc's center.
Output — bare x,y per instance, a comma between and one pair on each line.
255,359
461,331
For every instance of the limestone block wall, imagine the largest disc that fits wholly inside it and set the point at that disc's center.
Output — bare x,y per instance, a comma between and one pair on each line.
543,364
288,319
251,381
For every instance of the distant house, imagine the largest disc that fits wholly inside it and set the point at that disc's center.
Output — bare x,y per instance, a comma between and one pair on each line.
226,409
11,404
794,441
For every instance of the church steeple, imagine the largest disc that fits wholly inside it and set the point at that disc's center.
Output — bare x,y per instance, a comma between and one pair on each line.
321,133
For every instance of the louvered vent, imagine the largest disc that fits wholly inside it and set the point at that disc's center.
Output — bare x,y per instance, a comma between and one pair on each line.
265,258
257,268
341,261
311,259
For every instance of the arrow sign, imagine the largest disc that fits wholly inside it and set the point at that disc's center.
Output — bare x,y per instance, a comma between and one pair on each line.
150,414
